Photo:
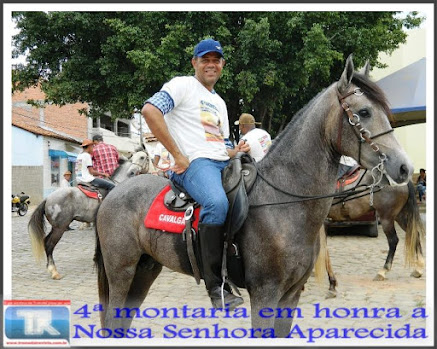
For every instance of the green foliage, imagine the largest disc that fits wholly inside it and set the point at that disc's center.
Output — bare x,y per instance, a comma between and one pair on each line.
275,61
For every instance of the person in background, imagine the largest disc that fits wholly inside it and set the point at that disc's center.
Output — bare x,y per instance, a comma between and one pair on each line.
85,172
346,164
191,120
65,182
161,160
421,184
258,139
105,156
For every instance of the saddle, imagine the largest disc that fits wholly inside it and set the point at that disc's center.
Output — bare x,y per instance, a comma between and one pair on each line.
238,178
349,177
92,191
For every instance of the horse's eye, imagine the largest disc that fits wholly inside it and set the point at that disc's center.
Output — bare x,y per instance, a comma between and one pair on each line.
364,113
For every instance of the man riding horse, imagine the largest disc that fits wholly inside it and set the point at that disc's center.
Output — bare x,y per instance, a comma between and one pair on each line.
194,130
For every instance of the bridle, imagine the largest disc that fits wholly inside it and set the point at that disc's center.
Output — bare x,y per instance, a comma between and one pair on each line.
138,164
364,136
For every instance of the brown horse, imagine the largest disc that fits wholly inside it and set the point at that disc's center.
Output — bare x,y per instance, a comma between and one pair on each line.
392,203
280,238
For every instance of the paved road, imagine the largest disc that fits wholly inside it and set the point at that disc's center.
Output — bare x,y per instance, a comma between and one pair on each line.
355,259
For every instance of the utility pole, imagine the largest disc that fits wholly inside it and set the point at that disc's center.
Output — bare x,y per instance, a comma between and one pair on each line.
141,129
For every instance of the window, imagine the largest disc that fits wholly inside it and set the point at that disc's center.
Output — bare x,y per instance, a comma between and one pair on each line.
122,129
54,170
105,122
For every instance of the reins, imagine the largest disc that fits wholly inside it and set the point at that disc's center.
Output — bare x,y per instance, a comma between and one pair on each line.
302,198
364,136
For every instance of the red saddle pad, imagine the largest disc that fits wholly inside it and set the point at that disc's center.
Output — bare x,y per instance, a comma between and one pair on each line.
90,193
161,218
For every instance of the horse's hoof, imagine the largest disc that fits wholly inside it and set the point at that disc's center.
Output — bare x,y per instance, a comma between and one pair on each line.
379,277
331,294
416,274
56,276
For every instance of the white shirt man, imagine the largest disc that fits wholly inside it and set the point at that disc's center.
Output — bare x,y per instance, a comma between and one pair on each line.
258,139
65,181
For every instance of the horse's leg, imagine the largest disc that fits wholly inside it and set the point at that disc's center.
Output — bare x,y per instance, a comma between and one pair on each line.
146,273
50,242
289,303
120,279
332,292
390,232
121,270
420,264
263,297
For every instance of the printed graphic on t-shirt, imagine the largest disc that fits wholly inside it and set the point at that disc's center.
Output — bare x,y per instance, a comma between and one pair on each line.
265,143
79,168
210,119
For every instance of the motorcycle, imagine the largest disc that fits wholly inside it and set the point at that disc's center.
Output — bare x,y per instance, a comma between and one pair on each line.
20,203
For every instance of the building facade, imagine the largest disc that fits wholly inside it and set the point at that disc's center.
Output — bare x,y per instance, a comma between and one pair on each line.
45,143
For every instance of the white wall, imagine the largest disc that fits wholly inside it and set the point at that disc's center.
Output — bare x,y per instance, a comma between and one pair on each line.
26,148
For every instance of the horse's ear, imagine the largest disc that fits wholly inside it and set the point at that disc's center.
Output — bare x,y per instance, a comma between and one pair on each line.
346,76
366,69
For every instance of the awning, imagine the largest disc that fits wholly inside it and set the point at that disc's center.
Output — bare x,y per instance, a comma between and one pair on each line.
406,92
63,154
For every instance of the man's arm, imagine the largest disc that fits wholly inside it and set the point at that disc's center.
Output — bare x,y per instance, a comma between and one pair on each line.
241,147
97,173
155,121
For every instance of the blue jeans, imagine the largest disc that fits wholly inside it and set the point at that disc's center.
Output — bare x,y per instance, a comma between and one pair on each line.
203,181
102,183
422,190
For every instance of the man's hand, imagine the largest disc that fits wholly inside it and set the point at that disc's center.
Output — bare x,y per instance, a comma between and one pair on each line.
242,147
181,164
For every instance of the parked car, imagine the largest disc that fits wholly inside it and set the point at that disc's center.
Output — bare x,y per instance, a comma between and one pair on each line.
364,225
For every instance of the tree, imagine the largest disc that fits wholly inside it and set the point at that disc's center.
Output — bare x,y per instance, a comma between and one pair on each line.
276,61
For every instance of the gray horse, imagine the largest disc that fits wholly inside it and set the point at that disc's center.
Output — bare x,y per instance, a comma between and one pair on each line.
67,204
289,201
392,203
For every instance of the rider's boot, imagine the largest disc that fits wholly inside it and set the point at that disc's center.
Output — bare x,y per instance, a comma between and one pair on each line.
211,249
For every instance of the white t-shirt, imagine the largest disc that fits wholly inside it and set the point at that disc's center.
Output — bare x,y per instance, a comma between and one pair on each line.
346,160
84,161
199,120
259,141
64,183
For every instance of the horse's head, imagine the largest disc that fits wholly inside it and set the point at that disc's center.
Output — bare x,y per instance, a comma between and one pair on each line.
365,132
141,160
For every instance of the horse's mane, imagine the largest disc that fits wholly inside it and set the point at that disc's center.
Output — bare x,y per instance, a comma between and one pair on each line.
295,120
118,169
372,91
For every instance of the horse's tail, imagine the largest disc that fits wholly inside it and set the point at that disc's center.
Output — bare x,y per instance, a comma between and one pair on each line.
102,279
410,220
319,266
36,229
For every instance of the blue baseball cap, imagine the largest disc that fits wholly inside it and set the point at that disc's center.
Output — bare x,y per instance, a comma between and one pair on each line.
206,46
